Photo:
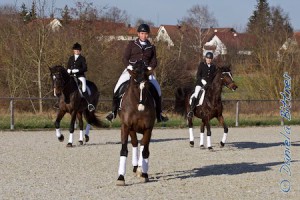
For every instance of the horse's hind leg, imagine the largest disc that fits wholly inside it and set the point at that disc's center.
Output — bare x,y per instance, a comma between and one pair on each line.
79,117
59,116
222,122
202,127
134,142
191,134
123,156
144,155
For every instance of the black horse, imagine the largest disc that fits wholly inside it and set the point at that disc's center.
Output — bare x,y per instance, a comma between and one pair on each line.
72,101
212,106
137,115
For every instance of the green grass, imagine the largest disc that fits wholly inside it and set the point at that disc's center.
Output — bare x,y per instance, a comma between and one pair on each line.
27,121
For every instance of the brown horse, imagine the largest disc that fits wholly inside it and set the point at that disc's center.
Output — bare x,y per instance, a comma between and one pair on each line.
72,101
211,108
137,115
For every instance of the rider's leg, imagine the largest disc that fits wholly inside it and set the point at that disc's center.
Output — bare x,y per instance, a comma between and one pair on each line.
83,86
156,93
125,76
194,98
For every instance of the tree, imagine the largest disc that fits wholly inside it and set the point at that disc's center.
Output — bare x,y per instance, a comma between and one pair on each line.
33,10
116,15
142,21
198,18
65,15
259,22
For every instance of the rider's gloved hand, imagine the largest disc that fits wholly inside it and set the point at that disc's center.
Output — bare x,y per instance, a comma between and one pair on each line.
130,67
149,68
69,71
74,71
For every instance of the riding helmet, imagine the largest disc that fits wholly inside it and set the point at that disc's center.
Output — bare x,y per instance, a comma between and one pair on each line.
77,46
143,28
209,55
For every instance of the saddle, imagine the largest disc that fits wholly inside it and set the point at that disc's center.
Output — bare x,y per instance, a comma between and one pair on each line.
199,99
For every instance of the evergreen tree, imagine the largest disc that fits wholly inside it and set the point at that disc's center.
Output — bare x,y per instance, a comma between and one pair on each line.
259,22
33,11
65,15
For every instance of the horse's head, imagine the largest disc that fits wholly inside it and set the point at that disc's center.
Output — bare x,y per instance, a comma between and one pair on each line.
140,72
227,79
60,77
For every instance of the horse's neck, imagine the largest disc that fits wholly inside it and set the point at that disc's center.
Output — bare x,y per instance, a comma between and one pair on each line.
70,87
216,89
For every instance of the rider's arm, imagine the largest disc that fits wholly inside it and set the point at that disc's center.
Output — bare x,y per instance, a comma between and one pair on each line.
126,55
153,61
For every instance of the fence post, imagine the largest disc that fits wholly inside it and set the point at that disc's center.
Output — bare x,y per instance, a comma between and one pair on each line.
281,121
12,116
237,114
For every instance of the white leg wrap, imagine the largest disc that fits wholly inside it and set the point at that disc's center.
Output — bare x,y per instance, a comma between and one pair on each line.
208,141
87,129
224,137
141,156
81,135
122,165
191,134
135,156
145,165
71,138
58,133
201,139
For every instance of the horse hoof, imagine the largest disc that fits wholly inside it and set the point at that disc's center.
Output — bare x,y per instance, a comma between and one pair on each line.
191,143
222,144
87,138
210,149
134,169
139,172
202,147
69,145
80,142
61,138
121,181
145,177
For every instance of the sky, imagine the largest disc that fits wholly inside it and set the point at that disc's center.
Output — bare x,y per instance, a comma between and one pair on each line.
228,13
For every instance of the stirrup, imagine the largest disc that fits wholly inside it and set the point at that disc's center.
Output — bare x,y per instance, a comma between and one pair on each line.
91,107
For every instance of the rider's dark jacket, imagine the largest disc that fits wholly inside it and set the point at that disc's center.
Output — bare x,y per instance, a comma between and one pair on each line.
135,52
79,63
205,72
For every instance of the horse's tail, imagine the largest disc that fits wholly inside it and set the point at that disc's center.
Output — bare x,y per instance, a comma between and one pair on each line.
92,119
181,96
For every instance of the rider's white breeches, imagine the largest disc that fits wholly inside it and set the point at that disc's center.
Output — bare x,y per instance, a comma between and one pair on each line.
125,76
197,90
83,82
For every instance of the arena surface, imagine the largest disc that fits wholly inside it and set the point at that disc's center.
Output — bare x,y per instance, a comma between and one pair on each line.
34,165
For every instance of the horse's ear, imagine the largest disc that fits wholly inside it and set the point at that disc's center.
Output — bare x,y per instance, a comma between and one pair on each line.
149,72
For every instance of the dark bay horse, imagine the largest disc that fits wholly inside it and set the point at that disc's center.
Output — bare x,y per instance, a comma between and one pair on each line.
211,108
65,87
137,115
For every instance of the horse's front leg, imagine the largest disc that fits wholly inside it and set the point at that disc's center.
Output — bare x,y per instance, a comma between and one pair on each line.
202,128
71,129
208,135
79,117
222,122
144,156
59,117
123,155
191,134
134,142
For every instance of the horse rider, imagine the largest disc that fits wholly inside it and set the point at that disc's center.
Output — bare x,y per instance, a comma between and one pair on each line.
77,66
136,50
205,76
